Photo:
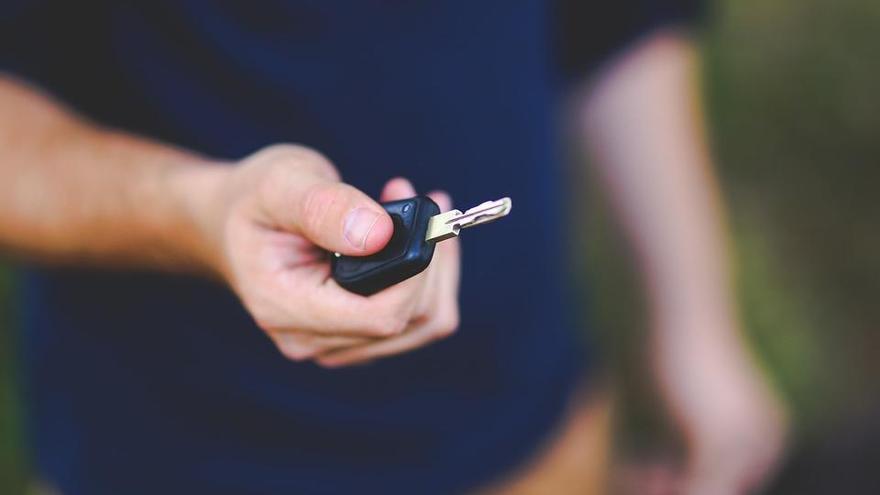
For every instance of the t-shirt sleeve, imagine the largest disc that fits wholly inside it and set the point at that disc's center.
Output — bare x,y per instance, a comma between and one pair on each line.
590,32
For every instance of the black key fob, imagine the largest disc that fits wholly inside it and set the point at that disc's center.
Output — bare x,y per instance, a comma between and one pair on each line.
405,255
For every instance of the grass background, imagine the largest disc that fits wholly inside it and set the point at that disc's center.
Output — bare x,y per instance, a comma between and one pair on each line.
791,87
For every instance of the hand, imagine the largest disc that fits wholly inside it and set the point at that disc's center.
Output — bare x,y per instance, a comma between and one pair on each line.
276,216
735,429
437,309
738,446
734,424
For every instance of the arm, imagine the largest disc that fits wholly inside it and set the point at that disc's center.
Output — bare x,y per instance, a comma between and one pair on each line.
72,192
645,127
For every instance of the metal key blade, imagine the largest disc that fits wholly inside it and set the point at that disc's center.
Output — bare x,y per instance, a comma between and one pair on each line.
450,223
483,213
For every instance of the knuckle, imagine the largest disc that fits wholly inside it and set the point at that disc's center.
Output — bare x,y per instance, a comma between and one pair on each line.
303,157
280,159
314,160
296,352
446,324
282,150
326,364
317,203
386,327
266,321
265,324
282,155
265,312
407,300
422,312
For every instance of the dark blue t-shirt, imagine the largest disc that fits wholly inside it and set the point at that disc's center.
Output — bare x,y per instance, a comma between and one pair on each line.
150,383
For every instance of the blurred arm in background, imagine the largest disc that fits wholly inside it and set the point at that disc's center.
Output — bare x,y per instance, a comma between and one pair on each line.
644,124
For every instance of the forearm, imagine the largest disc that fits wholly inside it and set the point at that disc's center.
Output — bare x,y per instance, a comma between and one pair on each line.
646,135
645,125
72,192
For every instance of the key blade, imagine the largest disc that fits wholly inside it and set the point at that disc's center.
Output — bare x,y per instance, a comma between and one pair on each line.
484,213
450,223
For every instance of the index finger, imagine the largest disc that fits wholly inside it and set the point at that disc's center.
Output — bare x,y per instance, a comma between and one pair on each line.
329,309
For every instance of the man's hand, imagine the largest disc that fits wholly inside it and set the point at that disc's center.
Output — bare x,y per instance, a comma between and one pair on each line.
274,220
75,193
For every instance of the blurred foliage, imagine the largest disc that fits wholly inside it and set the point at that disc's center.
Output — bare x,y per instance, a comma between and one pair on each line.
792,92
12,464
791,89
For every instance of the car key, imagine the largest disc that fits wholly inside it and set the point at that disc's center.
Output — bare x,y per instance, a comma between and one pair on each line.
418,225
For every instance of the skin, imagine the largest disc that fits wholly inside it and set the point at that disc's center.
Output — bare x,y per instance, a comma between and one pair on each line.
75,193
644,125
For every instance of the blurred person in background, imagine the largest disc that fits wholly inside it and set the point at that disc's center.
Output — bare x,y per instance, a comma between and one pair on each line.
181,334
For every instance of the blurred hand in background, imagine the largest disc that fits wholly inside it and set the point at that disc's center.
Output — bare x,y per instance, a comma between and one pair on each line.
644,123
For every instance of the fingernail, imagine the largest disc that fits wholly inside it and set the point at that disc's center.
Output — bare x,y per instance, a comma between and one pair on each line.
358,225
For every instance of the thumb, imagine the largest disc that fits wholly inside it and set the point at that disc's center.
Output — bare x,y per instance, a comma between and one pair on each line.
340,218
298,190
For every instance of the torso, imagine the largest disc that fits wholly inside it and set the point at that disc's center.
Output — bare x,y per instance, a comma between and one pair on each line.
166,380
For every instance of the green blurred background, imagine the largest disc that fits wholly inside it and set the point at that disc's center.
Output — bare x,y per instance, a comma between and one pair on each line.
790,87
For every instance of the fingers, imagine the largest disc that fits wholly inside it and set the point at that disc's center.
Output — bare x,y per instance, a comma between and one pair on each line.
305,300
400,188
442,199
302,346
440,325
293,297
301,193
397,188
410,339
439,307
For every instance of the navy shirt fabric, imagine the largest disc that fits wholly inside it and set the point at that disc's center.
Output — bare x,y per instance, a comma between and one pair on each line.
152,383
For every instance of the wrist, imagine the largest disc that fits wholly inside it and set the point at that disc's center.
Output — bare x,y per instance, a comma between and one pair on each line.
197,191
